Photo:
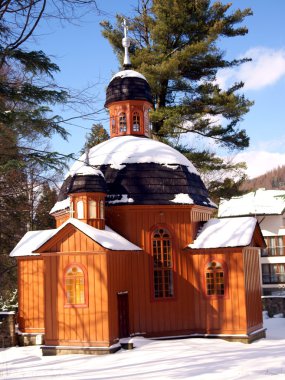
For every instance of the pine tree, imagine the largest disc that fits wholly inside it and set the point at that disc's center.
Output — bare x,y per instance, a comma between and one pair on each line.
174,43
43,220
97,135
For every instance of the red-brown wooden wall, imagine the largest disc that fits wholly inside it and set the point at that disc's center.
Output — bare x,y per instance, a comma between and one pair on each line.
111,272
31,294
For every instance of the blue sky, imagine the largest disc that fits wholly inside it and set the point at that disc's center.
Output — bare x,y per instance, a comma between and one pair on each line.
86,58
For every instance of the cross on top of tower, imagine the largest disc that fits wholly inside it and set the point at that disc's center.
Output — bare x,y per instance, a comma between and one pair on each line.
126,44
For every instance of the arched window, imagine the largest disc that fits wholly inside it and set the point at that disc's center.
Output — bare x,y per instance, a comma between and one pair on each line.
113,125
123,123
80,210
136,122
74,286
102,210
215,279
162,263
92,211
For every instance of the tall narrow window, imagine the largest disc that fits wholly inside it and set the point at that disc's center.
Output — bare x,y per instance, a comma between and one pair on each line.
102,210
113,125
74,286
80,210
136,122
123,123
215,279
146,122
162,263
92,209
275,246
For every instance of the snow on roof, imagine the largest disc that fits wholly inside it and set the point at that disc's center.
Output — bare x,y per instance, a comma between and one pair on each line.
107,238
122,198
30,242
61,205
130,150
226,232
128,74
258,202
84,169
182,198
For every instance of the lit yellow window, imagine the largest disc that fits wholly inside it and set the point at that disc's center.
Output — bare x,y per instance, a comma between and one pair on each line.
92,209
102,210
75,286
80,210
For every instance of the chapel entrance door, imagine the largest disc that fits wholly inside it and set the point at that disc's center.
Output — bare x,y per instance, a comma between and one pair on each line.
123,314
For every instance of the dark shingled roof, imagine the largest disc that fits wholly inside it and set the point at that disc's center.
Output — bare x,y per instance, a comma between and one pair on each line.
147,184
82,184
128,88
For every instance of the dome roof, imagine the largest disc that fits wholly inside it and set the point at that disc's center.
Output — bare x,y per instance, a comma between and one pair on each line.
128,85
85,179
139,170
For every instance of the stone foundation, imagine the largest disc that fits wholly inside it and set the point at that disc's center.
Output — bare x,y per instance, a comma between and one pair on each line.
29,339
7,329
66,350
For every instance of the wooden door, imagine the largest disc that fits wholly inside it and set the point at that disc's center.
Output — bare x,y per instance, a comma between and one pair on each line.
123,314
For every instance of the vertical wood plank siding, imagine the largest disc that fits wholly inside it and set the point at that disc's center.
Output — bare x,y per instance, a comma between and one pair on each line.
86,325
111,272
252,288
31,295
190,310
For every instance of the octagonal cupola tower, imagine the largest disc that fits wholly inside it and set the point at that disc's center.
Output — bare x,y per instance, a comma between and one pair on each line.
129,99
87,191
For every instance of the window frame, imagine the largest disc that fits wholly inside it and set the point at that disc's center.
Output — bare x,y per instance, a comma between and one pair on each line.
101,209
113,126
224,270
80,207
123,115
85,286
273,248
136,115
273,272
90,208
165,268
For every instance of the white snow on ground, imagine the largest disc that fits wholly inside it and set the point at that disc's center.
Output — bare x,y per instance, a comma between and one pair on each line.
207,359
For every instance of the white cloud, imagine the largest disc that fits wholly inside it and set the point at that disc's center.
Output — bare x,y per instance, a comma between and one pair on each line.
260,162
265,69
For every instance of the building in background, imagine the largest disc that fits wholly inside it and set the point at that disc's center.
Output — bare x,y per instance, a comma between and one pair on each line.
268,206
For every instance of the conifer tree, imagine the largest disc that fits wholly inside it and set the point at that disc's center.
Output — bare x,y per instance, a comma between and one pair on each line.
175,44
43,220
97,135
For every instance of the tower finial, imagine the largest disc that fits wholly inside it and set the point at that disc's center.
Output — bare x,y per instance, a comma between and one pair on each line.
86,154
126,44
